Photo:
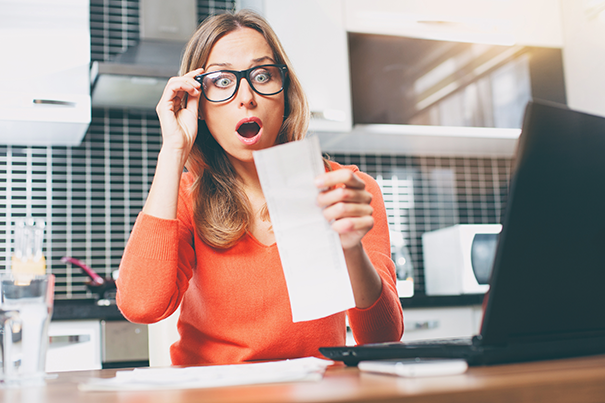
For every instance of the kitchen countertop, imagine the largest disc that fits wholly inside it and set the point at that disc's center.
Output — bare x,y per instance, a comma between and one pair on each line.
85,309
575,380
438,301
89,309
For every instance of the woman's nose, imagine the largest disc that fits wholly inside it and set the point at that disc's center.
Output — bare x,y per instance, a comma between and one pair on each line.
246,95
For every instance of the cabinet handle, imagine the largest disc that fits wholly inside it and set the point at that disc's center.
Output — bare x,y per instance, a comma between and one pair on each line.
54,102
70,339
426,325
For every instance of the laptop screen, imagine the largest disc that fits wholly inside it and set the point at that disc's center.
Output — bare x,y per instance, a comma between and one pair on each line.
548,279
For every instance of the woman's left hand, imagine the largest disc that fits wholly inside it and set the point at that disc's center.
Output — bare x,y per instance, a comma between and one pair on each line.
346,205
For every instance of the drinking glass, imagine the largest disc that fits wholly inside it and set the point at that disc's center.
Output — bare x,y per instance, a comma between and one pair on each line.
26,303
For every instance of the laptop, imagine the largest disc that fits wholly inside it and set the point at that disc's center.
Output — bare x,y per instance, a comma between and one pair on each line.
547,287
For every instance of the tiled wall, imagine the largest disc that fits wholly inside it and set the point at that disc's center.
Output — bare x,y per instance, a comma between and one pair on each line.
90,195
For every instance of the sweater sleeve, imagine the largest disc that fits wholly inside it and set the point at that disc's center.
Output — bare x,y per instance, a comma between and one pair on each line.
383,321
156,265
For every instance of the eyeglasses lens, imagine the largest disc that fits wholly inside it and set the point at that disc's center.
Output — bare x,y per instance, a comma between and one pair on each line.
221,85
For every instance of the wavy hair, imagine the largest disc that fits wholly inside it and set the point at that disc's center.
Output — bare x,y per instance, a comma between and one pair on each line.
222,211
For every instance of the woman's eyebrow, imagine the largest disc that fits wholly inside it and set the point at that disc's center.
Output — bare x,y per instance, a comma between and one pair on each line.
253,61
263,59
218,65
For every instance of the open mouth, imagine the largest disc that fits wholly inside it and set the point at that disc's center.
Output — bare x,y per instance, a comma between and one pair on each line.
249,130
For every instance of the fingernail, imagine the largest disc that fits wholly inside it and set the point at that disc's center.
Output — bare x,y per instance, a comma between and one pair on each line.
319,182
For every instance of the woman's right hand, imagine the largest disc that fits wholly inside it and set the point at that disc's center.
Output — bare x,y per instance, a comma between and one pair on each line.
179,129
179,125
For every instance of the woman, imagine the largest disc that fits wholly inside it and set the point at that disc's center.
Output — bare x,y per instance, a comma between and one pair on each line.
204,240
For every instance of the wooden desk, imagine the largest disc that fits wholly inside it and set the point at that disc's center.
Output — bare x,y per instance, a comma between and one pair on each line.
572,380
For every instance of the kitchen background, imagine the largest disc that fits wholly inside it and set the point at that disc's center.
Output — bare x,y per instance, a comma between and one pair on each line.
89,195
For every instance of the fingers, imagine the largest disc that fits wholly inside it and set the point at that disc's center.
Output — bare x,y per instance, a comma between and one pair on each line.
178,121
341,185
345,195
346,205
193,104
194,73
340,176
174,92
178,86
343,210
352,230
359,225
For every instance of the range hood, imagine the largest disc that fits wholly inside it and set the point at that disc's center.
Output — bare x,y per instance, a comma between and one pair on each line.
136,78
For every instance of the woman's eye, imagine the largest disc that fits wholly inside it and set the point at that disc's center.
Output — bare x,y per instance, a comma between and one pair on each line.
262,77
222,82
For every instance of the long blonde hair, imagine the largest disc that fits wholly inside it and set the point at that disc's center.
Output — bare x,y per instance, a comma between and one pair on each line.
222,211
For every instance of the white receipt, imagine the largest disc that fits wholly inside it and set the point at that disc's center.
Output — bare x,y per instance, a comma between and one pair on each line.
296,370
310,250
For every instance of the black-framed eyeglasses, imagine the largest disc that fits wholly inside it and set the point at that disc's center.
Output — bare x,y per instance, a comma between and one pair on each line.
222,85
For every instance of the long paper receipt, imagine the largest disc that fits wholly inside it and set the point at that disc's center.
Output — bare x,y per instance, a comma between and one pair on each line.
296,370
310,250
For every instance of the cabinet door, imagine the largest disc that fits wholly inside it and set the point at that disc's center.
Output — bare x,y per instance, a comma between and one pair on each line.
584,55
44,74
313,34
432,323
74,346
531,23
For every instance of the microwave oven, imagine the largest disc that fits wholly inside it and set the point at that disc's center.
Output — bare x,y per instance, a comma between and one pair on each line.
459,259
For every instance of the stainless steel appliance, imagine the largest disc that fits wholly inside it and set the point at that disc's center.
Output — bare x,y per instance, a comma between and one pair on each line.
124,344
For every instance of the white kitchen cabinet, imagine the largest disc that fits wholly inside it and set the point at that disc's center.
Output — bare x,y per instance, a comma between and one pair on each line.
442,322
44,74
74,345
437,323
522,22
584,54
313,35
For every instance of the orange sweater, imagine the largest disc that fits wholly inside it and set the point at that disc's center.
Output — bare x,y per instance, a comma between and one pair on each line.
234,303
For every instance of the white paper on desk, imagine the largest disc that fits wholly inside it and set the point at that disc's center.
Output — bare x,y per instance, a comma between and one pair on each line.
309,249
296,370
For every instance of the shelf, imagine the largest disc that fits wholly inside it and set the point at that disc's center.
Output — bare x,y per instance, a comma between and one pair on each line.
422,140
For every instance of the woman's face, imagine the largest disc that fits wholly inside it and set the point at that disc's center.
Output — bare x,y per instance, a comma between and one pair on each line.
248,121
